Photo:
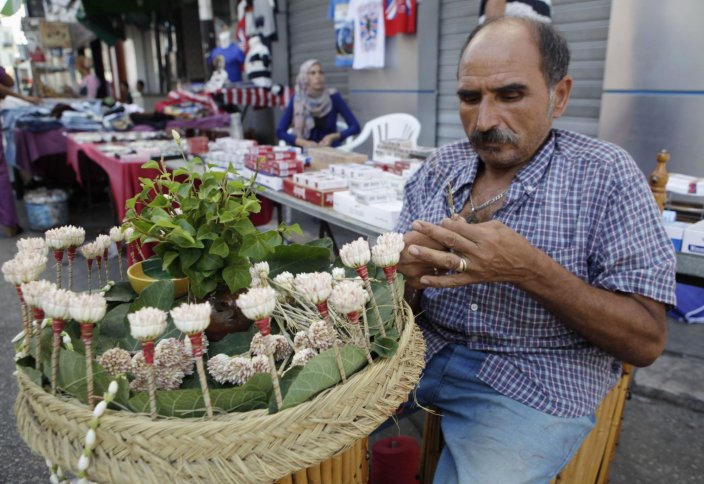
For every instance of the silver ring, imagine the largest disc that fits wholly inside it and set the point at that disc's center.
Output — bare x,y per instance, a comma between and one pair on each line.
435,271
462,266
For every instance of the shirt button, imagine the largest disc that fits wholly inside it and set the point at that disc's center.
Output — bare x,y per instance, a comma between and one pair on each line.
474,306
475,338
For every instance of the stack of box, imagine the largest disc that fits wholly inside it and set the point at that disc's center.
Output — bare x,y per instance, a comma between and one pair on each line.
315,187
322,158
393,149
693,239
685,184
279,161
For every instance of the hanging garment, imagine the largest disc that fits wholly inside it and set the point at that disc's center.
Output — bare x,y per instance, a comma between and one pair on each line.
400,17
344,33
369,41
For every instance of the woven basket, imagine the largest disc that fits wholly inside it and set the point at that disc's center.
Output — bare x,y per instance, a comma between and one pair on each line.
237,447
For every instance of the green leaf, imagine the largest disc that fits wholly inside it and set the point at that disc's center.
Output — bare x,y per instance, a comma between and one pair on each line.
188,257
325,242
159,294
151,164
189,402
209,262
206,233
321,372
34,375
259,245
72,378
236,274
220,248
203,286
160,201
120,292
187,227
113,327
297,258
168,259
152,267
233,343
384,346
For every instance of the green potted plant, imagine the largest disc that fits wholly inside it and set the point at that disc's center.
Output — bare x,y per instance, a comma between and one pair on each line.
197,217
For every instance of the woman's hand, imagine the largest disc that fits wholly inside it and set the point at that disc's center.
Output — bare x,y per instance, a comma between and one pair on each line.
329,139
306,143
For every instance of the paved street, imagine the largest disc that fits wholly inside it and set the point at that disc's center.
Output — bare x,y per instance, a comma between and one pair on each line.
661,439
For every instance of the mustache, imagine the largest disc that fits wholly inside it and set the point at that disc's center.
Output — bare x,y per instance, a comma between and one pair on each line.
478,139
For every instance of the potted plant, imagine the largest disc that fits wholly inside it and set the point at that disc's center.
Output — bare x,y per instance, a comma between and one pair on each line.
197,217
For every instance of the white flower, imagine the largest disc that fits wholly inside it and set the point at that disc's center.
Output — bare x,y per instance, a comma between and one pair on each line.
338,274
348,297
257,303
385,256
176,136
116,234
75,235
66,339
392,240
90,439
54,479
315,286
34,291
301,340
99,409
284,280
127,234
259,273
192,318
32,244
84,461
303,356
356,253
88,308
260,363
58,238
57,304
112,388
147,323
103,241
25,267
91,250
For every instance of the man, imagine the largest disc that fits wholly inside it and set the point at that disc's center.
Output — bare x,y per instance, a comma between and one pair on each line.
563,273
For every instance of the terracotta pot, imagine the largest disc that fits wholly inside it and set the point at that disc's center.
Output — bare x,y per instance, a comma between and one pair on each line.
226,317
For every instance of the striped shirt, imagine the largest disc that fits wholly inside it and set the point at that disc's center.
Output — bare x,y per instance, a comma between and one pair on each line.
586,204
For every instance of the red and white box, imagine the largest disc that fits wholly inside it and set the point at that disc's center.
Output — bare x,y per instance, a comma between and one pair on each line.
321,198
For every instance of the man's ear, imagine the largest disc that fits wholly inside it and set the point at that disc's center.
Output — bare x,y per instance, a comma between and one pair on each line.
562,95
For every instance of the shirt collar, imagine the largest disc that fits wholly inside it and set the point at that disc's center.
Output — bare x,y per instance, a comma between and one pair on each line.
525,180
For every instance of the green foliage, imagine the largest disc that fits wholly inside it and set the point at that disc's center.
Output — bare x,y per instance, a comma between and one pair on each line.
199,217
318,374
189,402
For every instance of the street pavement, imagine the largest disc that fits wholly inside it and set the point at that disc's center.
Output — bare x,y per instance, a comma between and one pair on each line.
661,438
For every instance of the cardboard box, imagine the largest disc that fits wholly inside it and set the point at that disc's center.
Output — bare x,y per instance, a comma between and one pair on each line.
693,240
274,182
675,230
316,197
321,158
383,215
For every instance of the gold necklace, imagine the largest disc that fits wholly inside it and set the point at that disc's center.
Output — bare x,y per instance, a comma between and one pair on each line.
472,217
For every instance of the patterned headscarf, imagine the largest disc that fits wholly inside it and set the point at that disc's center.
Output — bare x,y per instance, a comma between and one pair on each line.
308,104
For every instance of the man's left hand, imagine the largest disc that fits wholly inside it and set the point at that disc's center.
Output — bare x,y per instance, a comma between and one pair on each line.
492,252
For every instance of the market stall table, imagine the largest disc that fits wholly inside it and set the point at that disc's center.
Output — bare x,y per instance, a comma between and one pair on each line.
123,175
32,145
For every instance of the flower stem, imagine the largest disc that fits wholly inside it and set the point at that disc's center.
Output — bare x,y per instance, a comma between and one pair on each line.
197,351
57,326
148,351
99,260
26,325
87,337
118,244
107,272
38,315
58,257
364,274
71,251
90,275
274,377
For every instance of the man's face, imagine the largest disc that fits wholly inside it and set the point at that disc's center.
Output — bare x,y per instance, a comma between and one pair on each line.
505,104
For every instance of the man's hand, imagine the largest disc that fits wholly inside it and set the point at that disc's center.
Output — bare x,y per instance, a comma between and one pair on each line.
329,139
492,252
414,267
305,143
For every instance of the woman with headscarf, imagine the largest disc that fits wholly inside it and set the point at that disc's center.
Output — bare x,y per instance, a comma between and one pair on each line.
313,111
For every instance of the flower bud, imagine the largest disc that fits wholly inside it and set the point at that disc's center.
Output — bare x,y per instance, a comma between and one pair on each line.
99,409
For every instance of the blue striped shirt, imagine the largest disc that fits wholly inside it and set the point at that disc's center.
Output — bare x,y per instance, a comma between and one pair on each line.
586,204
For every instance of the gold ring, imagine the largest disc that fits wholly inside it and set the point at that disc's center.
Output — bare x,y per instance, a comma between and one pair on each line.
462,266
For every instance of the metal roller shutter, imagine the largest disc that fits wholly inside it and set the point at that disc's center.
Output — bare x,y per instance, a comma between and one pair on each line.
311,35
584,23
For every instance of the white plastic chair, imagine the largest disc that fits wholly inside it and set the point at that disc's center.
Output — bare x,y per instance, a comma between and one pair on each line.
395,125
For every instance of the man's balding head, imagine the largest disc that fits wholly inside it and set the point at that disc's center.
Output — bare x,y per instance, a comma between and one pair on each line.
551,45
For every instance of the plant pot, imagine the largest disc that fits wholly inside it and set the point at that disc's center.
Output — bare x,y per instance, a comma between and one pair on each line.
139,280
